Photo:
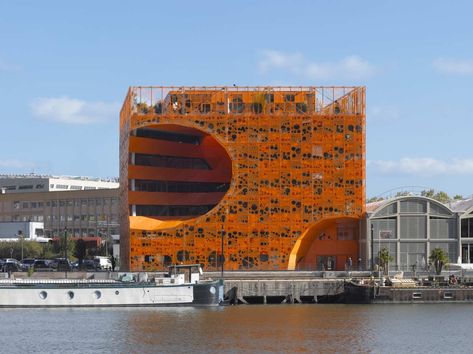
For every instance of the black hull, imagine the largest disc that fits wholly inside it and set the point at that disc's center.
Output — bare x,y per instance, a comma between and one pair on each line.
208,294
368,294
358,294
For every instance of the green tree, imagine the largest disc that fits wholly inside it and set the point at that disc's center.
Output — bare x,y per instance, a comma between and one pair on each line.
439,196
401,194
457,197
384,258
13,249
374,199
442,197
439,258
428,193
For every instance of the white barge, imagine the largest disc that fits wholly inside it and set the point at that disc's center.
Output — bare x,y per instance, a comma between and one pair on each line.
181,287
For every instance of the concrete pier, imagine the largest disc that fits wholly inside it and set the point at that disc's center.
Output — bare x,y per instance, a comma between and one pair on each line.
266,287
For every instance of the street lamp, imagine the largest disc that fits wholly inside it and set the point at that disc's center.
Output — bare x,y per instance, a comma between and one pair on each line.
222,257
65,252
20,236
372,249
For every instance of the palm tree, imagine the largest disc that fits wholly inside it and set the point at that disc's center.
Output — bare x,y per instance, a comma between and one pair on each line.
439,258
384,259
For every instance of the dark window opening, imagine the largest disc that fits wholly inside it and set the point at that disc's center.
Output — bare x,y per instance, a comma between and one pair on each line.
289,98
172,210
257,108
182,255
301,107
237,105
29,186
168,136
269,98
171,162
179,187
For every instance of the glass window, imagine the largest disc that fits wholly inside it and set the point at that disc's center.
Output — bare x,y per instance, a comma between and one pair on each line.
442,228
464,228
413,206
384,228
413,227
171,162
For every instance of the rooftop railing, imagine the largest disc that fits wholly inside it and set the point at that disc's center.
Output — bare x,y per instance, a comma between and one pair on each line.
179,100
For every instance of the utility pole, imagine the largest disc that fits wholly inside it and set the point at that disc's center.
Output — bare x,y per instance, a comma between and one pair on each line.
222,257
20,236
65,252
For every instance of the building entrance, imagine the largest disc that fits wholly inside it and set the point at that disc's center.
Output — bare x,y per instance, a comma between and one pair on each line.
326,262
467,253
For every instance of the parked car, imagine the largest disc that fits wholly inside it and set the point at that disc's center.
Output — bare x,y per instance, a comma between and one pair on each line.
41,265
27,263
62,264
103,263
88,264
11,265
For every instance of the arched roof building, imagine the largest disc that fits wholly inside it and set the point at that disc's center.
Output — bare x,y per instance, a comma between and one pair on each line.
410,227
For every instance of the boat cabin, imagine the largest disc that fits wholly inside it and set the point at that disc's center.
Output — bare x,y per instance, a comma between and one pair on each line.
190,273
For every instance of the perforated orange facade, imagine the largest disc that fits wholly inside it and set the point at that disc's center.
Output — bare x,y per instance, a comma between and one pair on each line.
274,176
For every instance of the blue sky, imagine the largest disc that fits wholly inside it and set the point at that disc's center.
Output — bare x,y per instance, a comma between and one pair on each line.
65,68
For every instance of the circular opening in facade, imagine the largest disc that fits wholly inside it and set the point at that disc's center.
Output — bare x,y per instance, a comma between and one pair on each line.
43,295
97,294
176,172
117,292
70,295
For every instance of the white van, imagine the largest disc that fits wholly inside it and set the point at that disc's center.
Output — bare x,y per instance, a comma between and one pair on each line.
102,263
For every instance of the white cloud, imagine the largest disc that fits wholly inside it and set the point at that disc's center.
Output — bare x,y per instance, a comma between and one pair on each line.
351,67
453,66
427,166
73,111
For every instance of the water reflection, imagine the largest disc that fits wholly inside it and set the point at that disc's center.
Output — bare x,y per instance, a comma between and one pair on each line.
240,329
277,328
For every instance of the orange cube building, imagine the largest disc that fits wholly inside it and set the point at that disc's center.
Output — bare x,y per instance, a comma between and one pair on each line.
259,178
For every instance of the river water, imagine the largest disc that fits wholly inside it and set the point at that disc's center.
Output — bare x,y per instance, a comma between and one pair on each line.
241,329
